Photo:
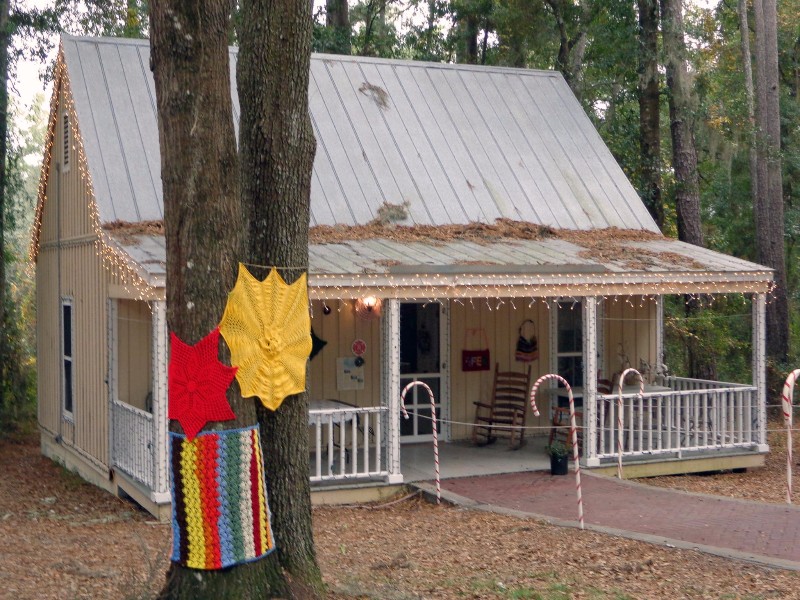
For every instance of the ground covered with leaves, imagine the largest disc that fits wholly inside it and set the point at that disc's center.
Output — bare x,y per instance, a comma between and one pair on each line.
63,538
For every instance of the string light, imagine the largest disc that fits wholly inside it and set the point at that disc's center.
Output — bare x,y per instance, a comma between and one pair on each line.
121,266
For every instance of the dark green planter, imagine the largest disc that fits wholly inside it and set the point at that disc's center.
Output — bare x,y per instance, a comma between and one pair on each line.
559,465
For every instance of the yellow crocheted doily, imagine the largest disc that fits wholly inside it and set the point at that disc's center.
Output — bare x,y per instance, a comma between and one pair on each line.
268,329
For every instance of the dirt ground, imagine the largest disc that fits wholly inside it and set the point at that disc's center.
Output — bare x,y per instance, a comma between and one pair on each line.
62,538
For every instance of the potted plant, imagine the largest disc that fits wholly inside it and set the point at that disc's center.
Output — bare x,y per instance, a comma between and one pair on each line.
559,457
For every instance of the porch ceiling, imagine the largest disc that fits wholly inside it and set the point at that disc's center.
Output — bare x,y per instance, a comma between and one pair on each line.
501,267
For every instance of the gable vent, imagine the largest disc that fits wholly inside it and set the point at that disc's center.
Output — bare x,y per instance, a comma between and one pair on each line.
66,160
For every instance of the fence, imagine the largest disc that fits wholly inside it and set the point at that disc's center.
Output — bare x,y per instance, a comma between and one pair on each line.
694,415
348,443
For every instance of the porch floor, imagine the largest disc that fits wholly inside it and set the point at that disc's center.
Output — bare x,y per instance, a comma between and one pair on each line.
463,459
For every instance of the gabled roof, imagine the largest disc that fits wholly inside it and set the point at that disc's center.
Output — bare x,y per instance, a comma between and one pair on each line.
457,143
413,161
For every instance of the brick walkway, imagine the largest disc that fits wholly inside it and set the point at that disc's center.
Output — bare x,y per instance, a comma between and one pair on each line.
767,533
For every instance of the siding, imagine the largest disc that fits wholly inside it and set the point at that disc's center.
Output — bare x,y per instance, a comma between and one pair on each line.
339,329
84,279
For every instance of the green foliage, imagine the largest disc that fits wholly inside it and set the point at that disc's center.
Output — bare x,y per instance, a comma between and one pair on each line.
18,371
721,328
557,449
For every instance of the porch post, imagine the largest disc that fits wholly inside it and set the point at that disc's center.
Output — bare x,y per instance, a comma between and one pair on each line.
759,365
658,367
590,381
160,492
390,383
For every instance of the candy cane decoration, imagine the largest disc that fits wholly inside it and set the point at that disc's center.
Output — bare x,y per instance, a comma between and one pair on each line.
435,435
619,414
573,432
786,397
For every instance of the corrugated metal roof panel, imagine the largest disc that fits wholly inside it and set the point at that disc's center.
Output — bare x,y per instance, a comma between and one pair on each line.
502,257
455,143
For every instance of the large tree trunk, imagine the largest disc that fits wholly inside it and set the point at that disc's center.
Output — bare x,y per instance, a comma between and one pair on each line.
5,346
337,18
203,219
276,149
681,114
650,110
744,32
684,163
769,207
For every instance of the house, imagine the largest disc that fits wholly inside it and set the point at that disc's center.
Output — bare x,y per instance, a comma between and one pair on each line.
451,205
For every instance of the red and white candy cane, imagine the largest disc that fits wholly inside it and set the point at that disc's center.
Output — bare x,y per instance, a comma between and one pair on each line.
573,433
786,398
621,382
435,435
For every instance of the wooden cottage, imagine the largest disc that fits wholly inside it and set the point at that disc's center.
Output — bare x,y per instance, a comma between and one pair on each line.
453,209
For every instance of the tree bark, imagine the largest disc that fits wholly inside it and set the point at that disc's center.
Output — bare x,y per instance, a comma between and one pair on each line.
770,241
5,346
650,110
747,64
337,18
681,114
276,149
203,219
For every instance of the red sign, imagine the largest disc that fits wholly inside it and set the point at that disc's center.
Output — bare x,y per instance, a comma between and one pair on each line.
359,347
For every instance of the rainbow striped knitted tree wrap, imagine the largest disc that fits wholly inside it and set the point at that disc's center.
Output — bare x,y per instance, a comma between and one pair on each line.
220,515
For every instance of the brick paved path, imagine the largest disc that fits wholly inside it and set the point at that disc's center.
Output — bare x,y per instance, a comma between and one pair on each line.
771,531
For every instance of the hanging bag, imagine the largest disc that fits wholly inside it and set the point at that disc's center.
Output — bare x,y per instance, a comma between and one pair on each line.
475,360
527,345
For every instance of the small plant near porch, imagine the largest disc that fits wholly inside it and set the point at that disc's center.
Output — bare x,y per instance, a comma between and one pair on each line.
559,457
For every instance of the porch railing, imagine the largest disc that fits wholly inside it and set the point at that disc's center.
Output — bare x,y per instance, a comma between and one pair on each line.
348,444
694,415
132,442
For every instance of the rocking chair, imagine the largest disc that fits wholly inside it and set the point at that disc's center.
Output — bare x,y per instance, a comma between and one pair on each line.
504,413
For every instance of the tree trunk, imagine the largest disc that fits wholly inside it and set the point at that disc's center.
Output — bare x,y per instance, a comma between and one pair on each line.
650,110
204,225
569,61
769,209
684,164
5,346
681,114
471,40
276,149
747,63
337,18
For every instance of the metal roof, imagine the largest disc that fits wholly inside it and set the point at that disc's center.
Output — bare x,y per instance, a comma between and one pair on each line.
531,267
454,143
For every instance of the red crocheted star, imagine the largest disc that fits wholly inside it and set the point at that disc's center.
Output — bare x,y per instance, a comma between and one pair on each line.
197,383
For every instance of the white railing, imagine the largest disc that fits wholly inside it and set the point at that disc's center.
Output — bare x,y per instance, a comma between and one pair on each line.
347,443
695,415
133,440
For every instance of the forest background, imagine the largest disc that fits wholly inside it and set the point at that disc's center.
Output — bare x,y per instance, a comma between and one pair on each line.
642,69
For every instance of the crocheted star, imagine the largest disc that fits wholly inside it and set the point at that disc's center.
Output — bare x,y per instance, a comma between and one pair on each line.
267,326
197,383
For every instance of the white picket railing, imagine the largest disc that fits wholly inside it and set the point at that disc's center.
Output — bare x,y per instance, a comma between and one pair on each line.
133,442
695,415
347,444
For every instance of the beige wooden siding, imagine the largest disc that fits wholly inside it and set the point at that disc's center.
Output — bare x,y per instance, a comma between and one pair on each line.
135,359
339,329
630,330
83,279
501,325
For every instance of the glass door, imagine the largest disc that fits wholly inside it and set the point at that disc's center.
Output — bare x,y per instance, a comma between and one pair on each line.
422,352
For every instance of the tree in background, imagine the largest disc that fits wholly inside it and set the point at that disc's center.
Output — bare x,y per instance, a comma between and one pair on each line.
769,213
276,152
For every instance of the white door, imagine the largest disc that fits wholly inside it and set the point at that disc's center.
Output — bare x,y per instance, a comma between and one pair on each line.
423,357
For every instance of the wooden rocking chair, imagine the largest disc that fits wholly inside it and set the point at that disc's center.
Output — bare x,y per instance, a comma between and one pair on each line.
504,414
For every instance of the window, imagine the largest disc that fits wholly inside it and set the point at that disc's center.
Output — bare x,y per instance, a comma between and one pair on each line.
67,345
65,162
569,342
